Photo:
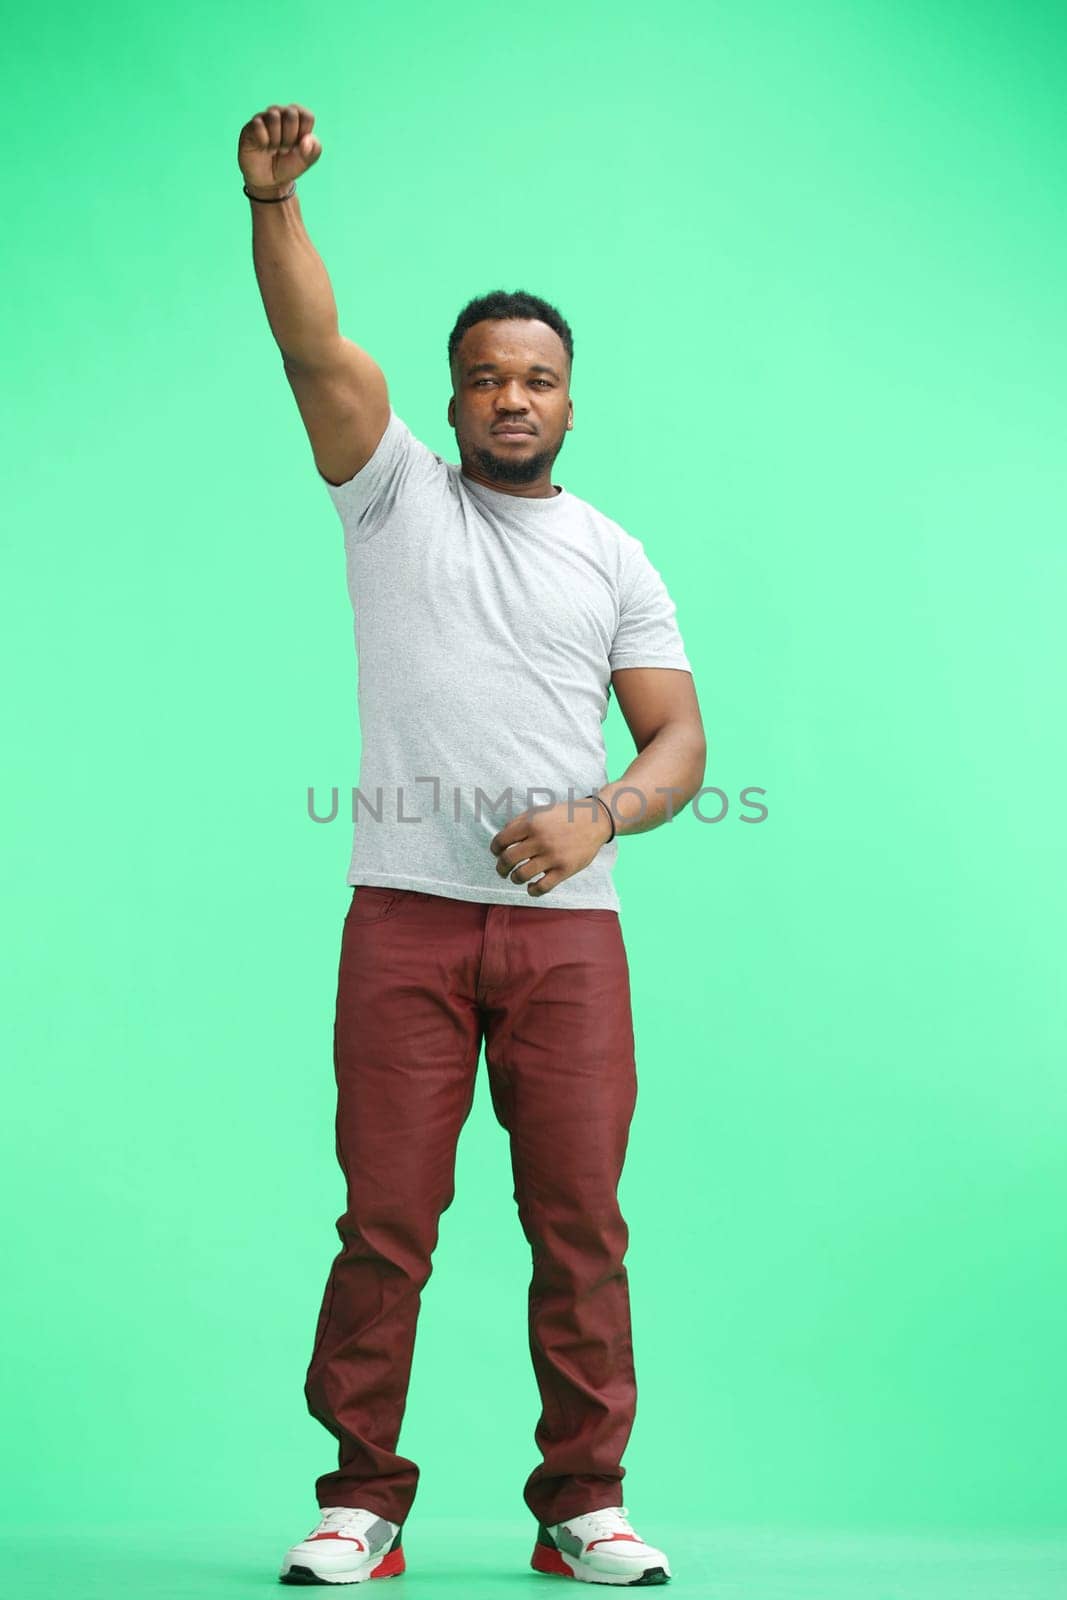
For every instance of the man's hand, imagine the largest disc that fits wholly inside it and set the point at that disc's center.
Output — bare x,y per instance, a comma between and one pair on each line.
275,147
548,840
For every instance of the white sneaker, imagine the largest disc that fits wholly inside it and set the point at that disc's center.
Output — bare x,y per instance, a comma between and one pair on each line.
599,1547
348,1545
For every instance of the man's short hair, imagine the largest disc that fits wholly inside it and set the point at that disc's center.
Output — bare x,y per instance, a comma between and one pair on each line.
502,306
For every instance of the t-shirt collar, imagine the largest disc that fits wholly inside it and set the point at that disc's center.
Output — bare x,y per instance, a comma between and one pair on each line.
500,500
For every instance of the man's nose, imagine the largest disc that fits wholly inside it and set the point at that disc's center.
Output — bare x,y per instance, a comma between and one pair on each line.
511,396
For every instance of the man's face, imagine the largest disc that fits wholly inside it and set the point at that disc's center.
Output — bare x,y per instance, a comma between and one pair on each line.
511,372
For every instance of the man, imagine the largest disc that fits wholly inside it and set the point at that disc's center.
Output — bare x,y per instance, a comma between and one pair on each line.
495,612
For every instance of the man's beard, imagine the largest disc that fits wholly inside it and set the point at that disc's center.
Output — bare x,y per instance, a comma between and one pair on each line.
515,469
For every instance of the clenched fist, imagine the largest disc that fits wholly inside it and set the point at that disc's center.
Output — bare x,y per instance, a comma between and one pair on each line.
275,147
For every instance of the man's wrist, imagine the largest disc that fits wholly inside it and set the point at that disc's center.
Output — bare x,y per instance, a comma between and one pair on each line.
273,191
606,815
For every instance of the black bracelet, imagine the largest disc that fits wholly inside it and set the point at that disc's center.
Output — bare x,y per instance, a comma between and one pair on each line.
611,815
278,198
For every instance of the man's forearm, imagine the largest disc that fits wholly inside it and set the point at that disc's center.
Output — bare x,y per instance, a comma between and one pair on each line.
667,773
297,294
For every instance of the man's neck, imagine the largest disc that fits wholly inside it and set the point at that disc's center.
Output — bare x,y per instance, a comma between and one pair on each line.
540,489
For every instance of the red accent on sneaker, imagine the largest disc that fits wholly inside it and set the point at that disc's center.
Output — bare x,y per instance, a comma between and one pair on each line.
547,1560
350,1537
390,1565
612,1536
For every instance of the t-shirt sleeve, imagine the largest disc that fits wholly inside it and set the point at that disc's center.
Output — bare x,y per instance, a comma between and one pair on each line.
647,634
396,474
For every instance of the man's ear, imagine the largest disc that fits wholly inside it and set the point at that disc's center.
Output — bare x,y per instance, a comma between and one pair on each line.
570,414
452,412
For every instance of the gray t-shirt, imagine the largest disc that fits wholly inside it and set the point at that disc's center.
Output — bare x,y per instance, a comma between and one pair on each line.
487,627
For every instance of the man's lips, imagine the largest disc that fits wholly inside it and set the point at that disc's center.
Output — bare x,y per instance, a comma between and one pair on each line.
513,430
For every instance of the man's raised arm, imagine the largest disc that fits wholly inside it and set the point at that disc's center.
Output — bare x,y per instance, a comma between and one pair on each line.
340,390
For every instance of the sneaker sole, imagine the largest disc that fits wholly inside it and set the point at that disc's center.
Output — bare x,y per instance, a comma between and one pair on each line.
390,1566
554,1564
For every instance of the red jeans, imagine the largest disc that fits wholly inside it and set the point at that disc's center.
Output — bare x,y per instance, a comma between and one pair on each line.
422,980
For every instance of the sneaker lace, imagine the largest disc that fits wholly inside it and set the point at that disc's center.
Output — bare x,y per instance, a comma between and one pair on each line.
602,1524
347,1519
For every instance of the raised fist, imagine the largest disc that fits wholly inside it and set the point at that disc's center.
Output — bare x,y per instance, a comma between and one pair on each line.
275,147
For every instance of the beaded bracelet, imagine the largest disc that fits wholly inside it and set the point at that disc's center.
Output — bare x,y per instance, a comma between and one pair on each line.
611,815
260,200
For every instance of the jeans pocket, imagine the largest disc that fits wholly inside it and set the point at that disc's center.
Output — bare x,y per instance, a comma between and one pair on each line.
371,903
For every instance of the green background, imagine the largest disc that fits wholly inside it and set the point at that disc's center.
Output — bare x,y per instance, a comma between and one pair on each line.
814,259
